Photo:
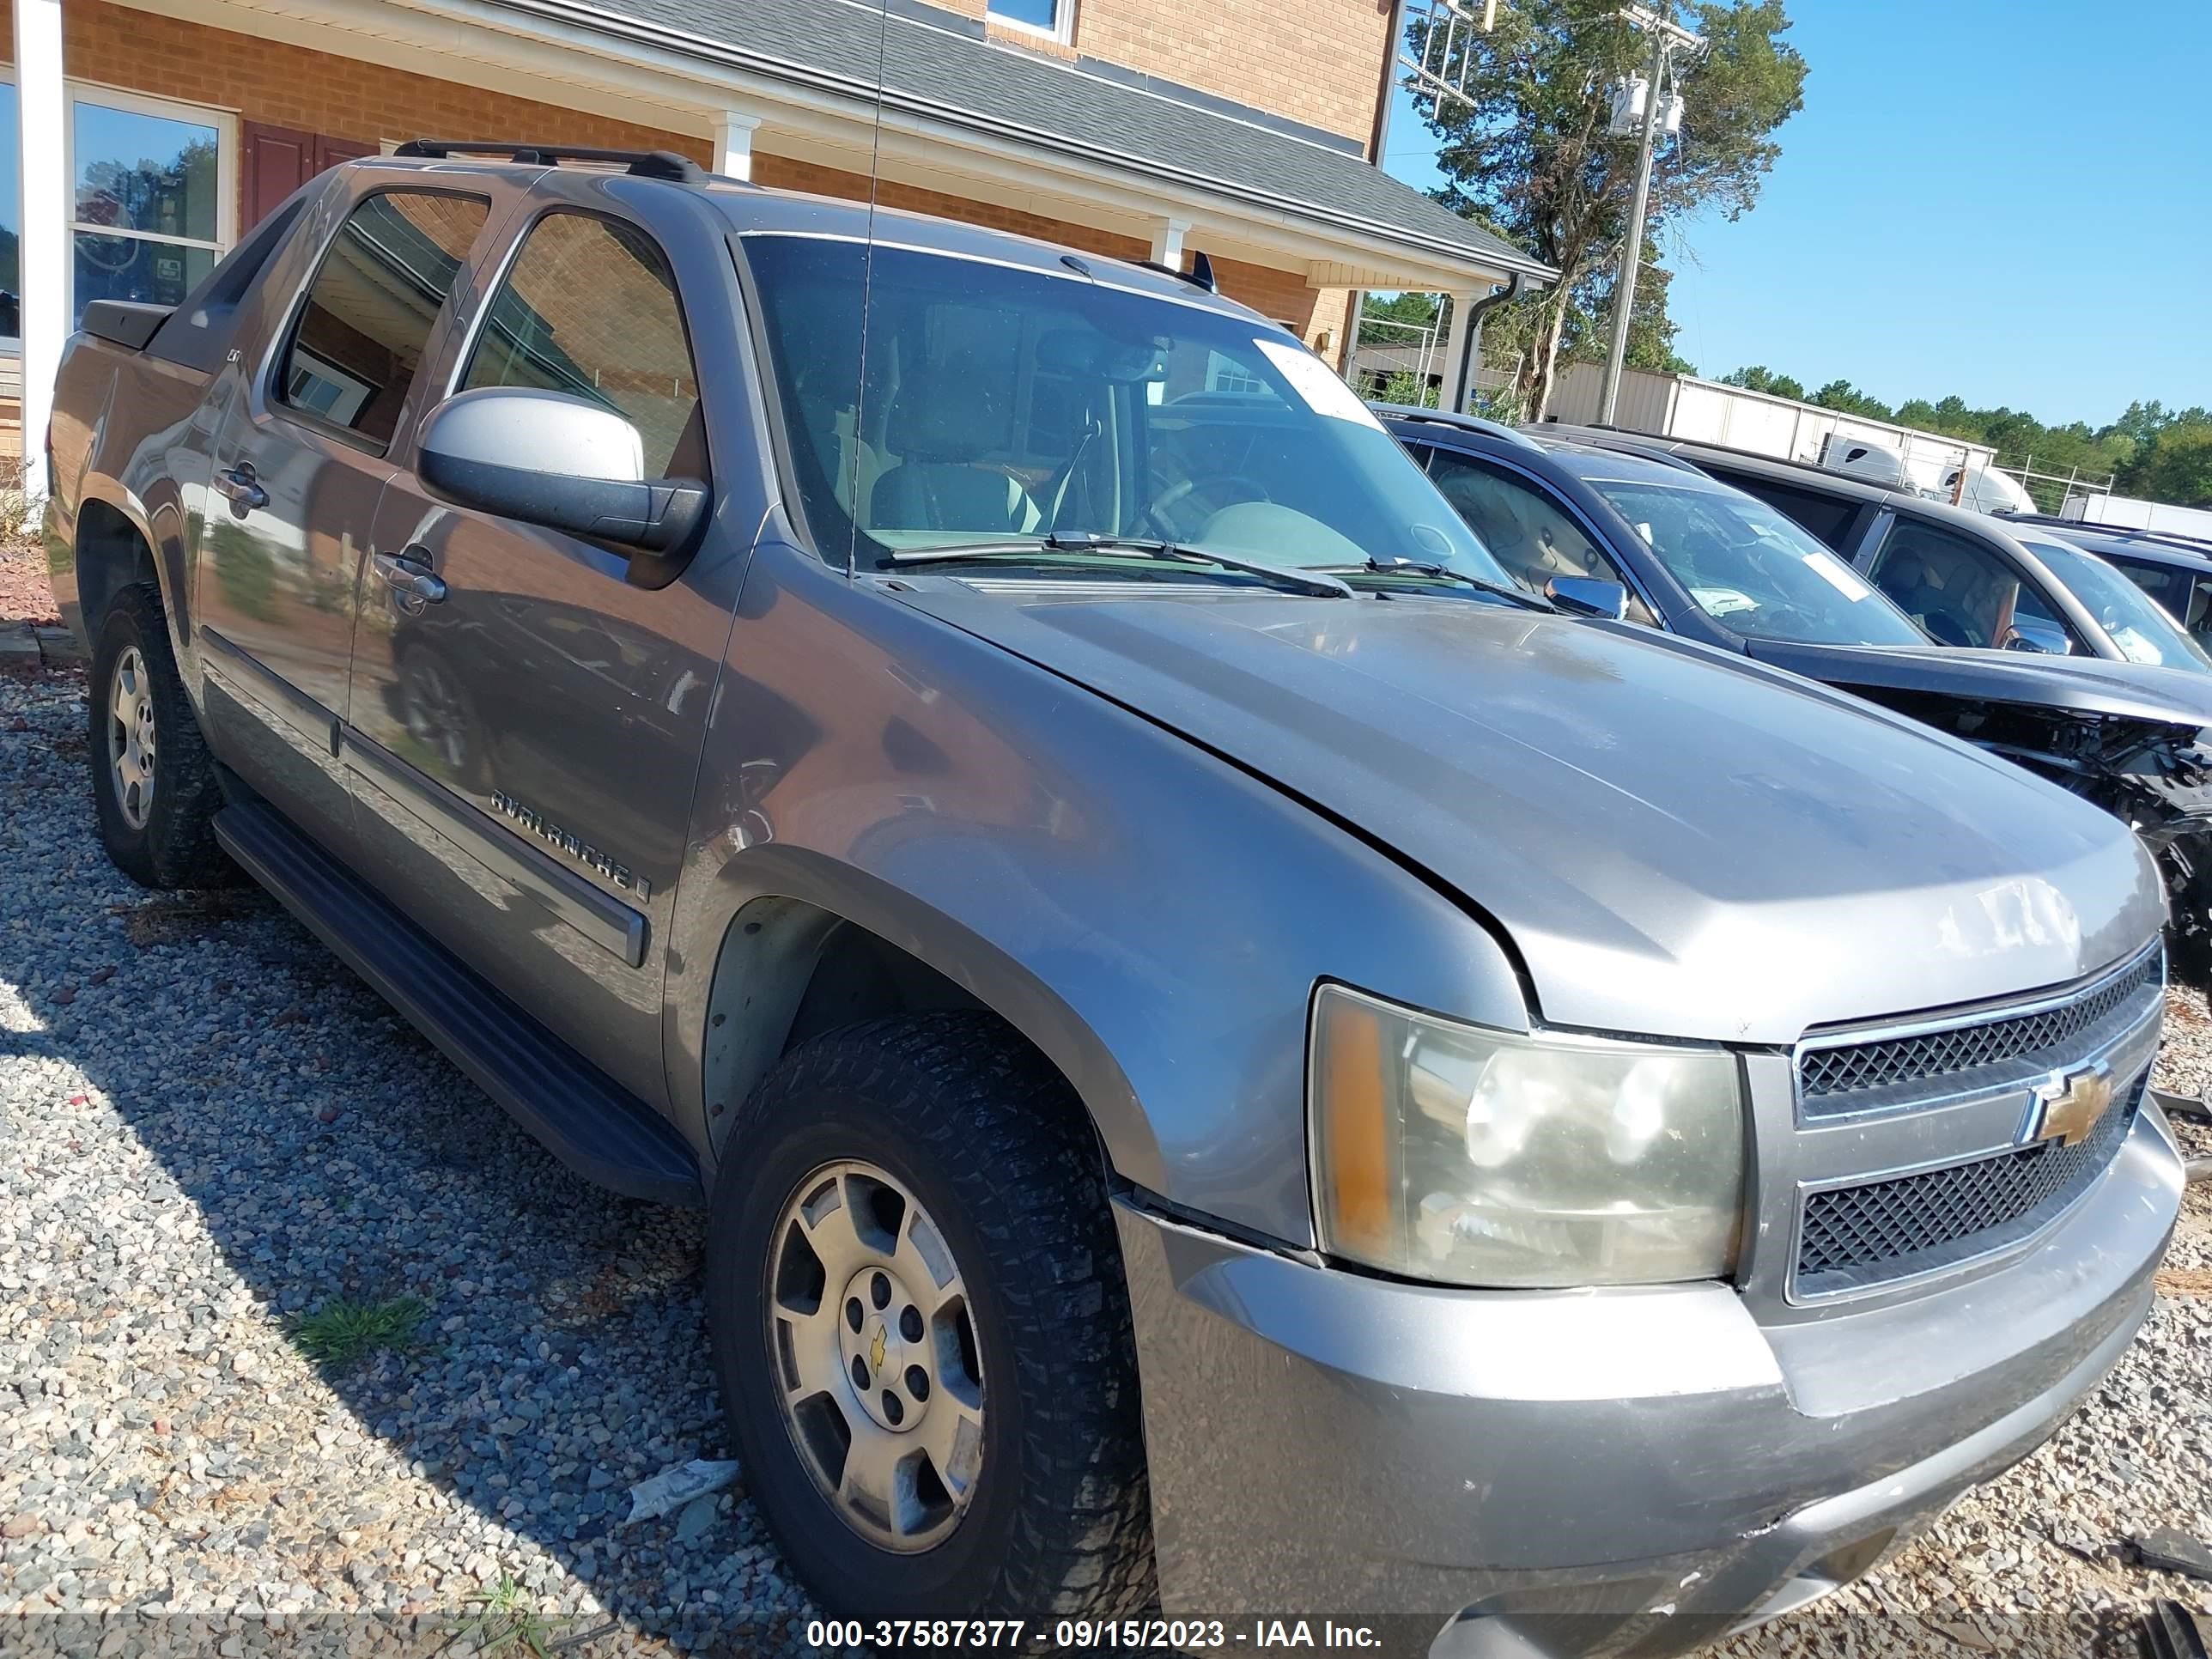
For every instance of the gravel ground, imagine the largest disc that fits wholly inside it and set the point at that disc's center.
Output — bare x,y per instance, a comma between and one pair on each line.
217,1148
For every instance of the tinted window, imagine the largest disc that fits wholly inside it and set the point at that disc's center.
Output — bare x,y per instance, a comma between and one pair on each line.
995,404
2185,595
369,313
589,307
1525,530
1752,567
1961,591
1828,519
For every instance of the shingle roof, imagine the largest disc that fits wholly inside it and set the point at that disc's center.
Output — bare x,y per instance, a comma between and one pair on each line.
938,65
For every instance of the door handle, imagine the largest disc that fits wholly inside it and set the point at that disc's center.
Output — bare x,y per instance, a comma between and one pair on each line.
408,573
241,487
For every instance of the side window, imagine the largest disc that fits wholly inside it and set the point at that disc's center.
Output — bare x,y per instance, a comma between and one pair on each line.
588,306
361,337
1954,587
1530,534
1829,520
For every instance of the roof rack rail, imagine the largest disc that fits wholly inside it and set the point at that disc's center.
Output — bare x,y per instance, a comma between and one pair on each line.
1200,274
1496,430
641,163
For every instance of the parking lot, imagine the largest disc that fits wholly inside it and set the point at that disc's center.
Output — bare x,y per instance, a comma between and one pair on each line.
221,1157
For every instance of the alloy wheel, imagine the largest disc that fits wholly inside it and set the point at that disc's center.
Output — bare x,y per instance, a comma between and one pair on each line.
880,1376
130,737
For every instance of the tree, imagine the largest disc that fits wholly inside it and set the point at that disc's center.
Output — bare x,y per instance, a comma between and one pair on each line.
1846,398
1530,157
2175,465
1420,310
1760,378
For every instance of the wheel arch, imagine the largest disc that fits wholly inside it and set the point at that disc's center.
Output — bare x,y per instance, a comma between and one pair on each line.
113,548
815,949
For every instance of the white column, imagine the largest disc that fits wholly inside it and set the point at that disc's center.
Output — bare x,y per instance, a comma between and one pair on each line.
1456,341
1167,242
733,144
45,230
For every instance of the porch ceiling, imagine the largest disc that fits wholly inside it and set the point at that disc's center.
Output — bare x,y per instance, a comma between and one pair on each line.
957,115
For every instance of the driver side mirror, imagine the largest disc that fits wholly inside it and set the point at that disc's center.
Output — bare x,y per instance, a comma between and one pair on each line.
1586,596
2028,634
564,462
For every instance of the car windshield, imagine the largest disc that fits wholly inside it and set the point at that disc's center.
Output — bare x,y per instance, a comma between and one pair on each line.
2143,631
985,404
1753,570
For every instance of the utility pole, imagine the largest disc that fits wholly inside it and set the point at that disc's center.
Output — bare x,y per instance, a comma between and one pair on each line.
1666,36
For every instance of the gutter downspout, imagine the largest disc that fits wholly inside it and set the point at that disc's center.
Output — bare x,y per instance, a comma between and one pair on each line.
1475,314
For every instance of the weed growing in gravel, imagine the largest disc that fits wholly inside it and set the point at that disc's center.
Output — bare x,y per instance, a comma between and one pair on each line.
340,1332
504,1618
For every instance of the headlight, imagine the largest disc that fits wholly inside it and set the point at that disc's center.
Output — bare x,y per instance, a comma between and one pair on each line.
1456,1153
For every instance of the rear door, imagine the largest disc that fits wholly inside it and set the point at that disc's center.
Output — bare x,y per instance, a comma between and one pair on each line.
525,746
299,463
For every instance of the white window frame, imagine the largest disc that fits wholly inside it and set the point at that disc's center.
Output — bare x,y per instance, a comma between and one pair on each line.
1063,24
225,123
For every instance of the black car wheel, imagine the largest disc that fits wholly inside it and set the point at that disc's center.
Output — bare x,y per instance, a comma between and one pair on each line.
153,785
922,1331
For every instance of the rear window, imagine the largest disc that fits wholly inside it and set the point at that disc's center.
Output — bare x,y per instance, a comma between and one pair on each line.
369,313
1828,519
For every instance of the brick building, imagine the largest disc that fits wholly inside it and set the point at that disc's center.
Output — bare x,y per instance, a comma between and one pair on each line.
147,136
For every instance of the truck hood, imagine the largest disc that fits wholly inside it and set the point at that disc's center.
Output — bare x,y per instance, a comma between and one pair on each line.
1673,839
2081,685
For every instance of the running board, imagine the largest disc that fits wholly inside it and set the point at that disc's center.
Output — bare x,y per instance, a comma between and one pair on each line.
585,1119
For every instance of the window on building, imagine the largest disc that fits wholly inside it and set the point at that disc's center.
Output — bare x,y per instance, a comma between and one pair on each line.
589,308
1052,17
11,224
371,307
149,198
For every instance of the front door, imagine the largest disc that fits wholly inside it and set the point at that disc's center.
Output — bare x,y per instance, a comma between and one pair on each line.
299,465
527,741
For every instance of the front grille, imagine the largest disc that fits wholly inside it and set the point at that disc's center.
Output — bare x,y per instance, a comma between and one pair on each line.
1853,1237
2048,1036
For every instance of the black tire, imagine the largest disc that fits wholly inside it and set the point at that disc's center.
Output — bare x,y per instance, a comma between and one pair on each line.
994,1148
175,846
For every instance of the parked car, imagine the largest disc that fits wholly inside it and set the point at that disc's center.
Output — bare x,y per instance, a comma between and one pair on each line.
1968,579
1232,1053
2174,570
1712,563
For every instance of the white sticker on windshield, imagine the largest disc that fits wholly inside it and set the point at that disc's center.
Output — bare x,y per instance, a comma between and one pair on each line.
1838,575
1316,384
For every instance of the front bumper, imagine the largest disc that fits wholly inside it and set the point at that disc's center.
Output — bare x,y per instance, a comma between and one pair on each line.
1636,1471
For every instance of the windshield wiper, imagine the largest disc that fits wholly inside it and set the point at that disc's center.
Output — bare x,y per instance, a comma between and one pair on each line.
1302,581
1379,567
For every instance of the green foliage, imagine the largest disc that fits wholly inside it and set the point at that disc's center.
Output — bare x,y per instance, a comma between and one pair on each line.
1418,309
1530,158
1847,400
1760,378
2174,462
340,1331
1407,387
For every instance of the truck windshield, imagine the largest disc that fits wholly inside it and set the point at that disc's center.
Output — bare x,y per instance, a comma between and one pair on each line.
1753,570
2144,632
985,402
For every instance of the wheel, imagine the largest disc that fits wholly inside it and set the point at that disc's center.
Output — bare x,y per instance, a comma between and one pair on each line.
153,786
922,1331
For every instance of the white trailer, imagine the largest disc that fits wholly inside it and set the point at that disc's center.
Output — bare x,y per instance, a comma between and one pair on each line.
1705,411
2096,507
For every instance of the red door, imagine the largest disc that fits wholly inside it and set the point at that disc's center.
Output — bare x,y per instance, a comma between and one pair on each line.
279,159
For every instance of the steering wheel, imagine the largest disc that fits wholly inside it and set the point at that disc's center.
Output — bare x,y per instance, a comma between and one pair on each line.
1227,490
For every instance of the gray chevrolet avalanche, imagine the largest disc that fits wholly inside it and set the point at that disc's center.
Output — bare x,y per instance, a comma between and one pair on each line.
1237,1062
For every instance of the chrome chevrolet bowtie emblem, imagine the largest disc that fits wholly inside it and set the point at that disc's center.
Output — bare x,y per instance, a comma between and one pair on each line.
2067,1107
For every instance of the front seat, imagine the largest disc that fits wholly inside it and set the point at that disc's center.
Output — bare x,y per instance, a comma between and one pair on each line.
942,417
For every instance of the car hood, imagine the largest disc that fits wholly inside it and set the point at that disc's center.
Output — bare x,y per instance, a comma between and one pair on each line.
2084,685
1674,839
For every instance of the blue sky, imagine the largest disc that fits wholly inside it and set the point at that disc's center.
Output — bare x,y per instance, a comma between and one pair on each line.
2009,202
